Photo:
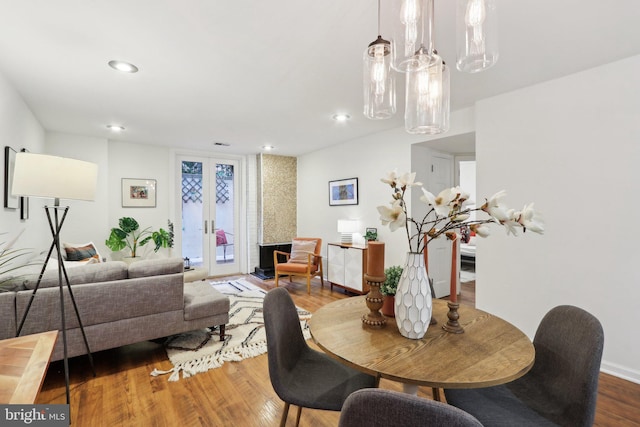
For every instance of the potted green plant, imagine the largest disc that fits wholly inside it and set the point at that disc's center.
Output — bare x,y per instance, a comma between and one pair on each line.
388,289
129,235
371,235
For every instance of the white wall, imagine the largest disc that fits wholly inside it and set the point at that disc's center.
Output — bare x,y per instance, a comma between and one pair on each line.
572,146
92,221
139,161
20,129
369,159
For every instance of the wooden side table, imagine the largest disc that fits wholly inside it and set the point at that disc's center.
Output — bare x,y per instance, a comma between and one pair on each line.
23,365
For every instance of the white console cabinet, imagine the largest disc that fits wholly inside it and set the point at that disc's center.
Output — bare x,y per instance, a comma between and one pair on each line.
346,267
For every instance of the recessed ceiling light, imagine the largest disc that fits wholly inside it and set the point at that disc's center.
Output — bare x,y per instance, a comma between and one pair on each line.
122,66
267,147
341,117
115,128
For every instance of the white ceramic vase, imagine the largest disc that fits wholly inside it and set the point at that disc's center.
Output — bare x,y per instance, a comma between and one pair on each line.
413,303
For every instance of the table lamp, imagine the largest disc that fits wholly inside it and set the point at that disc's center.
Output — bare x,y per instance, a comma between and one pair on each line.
44,176
346,227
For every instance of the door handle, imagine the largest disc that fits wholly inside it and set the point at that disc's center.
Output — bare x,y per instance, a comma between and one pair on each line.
205,226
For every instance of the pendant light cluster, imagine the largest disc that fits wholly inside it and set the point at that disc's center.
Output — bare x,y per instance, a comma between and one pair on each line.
411,50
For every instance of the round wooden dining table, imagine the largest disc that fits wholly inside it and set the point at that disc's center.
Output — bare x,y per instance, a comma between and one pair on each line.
491,351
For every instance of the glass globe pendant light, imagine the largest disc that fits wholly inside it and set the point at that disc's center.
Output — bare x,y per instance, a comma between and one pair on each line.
477,35
407,31
427,89
378,79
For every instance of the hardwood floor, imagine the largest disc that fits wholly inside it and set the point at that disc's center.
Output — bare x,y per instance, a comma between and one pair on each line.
237,394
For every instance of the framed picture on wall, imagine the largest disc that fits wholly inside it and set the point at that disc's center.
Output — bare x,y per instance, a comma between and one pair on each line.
138,193
343,192
10,201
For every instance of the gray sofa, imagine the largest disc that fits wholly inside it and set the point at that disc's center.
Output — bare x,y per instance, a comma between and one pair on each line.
118,305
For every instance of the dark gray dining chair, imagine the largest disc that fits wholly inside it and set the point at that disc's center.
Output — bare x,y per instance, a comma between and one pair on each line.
300,375
377,407
562,386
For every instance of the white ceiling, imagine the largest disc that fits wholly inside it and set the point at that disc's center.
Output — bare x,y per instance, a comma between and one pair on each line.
250,73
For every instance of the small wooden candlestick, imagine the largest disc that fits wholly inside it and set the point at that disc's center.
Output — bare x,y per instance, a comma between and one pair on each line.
452,324
374,319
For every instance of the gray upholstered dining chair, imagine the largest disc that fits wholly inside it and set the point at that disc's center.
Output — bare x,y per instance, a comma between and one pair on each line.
562,386
300,375
377,407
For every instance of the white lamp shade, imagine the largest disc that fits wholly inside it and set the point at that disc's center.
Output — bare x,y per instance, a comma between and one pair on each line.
348,225
41,175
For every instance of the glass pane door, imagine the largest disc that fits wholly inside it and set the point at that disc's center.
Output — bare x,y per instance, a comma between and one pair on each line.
209,190
224,213
193,212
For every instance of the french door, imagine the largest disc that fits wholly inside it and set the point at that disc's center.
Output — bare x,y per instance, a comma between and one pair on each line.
210,200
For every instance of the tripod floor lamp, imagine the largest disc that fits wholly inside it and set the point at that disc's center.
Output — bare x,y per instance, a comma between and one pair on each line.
39,175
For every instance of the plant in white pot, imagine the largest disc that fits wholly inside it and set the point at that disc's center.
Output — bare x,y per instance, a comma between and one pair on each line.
388,289
129,235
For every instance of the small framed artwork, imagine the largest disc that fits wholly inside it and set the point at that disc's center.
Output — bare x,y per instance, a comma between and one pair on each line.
10,201
138,193
343,192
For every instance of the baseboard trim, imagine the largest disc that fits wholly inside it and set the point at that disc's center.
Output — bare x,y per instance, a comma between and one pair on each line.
620,372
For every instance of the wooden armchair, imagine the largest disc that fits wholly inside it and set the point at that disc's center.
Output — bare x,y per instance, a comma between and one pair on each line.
304,260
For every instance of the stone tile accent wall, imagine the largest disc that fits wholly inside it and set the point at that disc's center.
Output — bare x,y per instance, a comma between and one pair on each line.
278,201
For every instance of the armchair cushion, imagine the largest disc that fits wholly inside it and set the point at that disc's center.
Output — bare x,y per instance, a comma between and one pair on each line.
300,250
293,267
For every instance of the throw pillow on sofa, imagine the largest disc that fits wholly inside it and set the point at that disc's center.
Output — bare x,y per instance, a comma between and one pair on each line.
80,252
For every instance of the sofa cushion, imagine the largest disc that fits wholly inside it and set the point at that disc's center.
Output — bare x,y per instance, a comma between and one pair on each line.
91,273
155,267
201,300
103,302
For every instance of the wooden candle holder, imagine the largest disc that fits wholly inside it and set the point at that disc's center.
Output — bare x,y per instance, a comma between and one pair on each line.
374,319
452,324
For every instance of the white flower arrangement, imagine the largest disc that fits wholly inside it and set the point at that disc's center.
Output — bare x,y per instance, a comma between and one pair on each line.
450,211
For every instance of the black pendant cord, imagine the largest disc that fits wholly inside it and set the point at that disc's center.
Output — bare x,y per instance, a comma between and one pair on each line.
55,231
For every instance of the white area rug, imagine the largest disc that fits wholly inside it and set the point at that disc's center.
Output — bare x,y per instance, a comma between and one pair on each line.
201,350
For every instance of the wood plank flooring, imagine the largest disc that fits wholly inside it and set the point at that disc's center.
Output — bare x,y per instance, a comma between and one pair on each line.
237,394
